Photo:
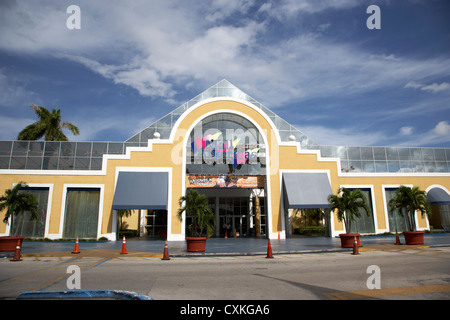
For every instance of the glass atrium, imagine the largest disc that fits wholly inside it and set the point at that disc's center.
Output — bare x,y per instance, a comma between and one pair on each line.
42,155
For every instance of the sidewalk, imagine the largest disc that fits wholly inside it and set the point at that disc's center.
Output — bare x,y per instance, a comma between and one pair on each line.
144,247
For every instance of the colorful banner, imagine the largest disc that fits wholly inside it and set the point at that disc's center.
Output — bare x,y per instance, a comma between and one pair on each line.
224,181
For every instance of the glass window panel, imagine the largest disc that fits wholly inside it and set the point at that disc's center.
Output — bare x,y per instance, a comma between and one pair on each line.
68,149
403,153
417,166
355,166
36,148
18,162
284,135
165,122
354,153
427,154
416,154
439,155
393,166
429,166
84,149
391,153
82,163
66,163
397,222
381,166
345,166
441,166
364,223
406,166
20,148
5,148
366,153
341,152
25,226
368,166
115,148
81,213
52,148
281,124
34,163
50,163
379,153
327,151
99,149
4,162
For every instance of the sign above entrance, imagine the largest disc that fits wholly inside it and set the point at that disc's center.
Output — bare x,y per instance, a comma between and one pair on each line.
224,181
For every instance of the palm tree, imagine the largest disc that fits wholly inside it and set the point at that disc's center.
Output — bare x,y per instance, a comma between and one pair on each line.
196,207
348,205
48,126
16,203
409,200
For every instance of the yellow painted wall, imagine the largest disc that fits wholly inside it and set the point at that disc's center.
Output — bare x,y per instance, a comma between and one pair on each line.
170,155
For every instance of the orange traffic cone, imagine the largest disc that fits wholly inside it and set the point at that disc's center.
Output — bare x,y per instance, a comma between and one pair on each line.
355,247
17,253
397,239
166,252
76,249
226,236
269,251
124,246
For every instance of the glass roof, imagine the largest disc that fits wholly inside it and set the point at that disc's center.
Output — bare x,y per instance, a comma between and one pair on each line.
48,155
221,89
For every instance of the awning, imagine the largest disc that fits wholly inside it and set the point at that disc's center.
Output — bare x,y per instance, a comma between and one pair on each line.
304,190
438,197
141,190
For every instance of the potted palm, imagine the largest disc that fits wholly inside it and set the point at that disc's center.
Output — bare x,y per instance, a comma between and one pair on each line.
196,207
410,200
347,203
16,203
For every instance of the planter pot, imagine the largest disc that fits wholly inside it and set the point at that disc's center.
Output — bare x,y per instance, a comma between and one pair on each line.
347,240
8,244
196,244
414,237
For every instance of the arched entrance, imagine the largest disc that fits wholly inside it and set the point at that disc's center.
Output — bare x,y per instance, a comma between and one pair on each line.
226,161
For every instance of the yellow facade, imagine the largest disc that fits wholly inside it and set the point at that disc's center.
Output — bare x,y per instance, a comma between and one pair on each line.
169,155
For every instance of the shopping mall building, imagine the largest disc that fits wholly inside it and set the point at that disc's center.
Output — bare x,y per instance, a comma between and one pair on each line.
253,166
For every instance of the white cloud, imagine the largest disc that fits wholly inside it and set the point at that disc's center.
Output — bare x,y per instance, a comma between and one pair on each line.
156,46
435,87
406,131
442,129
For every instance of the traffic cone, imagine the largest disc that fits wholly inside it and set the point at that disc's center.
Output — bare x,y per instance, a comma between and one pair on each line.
76,249
355,247
17,252
279,236
397,239
124,246
226,237
269,251
166,252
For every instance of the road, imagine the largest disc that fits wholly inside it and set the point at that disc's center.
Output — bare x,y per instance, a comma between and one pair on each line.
412,274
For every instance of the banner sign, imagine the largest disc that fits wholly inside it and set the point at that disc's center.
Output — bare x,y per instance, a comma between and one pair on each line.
224,181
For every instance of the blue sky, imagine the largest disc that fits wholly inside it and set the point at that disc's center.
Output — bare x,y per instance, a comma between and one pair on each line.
314,63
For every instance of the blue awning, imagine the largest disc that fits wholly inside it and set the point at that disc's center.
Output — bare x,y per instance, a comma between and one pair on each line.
141,190
305,190
438,197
